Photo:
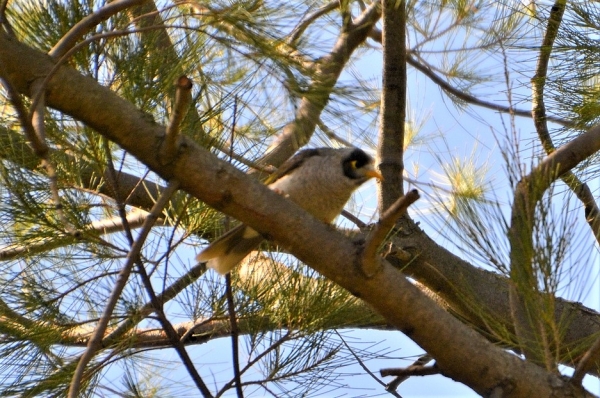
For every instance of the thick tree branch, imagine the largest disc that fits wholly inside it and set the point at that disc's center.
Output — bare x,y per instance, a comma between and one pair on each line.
460,352
390,148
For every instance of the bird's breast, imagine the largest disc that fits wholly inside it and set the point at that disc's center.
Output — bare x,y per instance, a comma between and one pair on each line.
323,199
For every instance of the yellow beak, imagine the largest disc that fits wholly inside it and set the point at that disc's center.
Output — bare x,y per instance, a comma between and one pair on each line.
374,174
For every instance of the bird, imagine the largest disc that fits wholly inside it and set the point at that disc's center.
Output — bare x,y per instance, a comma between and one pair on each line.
320,180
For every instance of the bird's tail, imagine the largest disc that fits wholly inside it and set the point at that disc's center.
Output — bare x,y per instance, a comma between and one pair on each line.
226,252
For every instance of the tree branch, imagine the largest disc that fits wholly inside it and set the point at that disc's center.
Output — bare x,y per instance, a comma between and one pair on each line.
538,83
327,71
459,351
390,150
88,23
528,193
371,262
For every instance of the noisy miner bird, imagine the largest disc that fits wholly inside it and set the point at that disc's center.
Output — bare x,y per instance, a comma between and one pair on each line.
319,180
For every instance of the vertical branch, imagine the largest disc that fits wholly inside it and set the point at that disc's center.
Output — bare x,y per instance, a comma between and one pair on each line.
237,375
540,119
393,102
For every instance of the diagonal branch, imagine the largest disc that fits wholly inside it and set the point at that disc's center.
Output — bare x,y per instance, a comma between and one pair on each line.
327,71
460,352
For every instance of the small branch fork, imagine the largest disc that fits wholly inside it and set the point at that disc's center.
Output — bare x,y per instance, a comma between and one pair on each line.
413,370
370,260
418,368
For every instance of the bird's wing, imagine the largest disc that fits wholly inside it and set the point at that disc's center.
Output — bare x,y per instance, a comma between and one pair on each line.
226,252
294,162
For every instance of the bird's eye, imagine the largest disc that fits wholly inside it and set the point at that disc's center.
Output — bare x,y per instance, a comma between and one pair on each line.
353,164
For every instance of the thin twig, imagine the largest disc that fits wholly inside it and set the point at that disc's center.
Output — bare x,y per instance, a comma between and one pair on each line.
168,294
180,108
237,375
411,371
351,217
590,359
309,19
421,361
370,259
331,135
170,331
362,364
471,99
234,336
95,341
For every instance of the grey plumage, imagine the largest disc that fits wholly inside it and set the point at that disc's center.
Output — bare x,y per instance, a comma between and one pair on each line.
318,180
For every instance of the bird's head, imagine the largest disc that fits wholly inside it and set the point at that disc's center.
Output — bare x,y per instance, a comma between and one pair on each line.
359,166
